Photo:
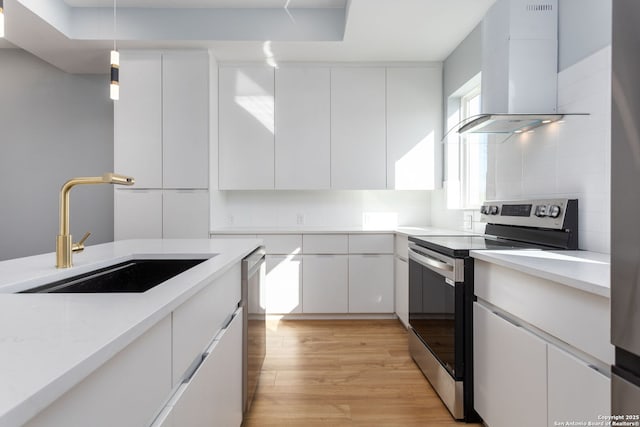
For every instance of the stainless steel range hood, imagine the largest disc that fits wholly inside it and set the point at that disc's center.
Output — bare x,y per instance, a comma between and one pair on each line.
508,123
519,67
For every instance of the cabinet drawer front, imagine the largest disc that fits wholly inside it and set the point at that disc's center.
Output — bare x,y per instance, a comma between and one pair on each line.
576,391
213,394
325,243
199,319
504,390
282,244
127,391
371,243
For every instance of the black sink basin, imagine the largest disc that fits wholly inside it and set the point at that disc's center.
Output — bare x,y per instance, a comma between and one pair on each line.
138,275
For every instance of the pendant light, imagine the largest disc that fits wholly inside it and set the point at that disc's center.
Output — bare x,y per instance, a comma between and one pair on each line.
1,18
114,88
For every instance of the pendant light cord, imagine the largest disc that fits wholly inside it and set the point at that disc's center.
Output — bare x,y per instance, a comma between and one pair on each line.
114,24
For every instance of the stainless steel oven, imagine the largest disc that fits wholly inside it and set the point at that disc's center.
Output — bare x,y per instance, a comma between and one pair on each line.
439,335
441,288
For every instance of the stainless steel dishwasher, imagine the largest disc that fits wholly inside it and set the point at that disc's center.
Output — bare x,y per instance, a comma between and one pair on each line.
254,327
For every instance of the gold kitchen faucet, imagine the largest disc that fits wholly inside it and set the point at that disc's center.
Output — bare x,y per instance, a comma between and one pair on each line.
64,243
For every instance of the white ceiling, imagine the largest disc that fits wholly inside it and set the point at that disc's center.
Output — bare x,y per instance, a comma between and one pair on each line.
227,4
375,30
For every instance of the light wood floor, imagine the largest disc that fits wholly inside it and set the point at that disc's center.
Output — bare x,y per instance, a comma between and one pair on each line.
343,373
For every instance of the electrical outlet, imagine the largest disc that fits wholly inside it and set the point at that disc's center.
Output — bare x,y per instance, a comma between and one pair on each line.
468,221
300,219
230,219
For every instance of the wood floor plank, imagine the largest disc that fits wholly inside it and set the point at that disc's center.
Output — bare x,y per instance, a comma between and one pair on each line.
343,373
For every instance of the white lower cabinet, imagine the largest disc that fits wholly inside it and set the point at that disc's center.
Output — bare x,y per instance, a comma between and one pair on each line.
212,396
402,290
127,391
371,284
283,289
510,372
576,390
325,285
197,320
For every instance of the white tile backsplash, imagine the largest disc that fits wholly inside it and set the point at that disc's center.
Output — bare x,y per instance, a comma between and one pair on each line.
378,209
570,159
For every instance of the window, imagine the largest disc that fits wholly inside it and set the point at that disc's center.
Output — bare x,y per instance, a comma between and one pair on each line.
466,155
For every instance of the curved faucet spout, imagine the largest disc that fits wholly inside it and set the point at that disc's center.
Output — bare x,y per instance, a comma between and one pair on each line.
64,243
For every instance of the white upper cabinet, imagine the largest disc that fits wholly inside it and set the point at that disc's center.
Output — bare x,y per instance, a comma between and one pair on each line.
138,119
161,122
414,120
246,128
185,120
358,140
302,128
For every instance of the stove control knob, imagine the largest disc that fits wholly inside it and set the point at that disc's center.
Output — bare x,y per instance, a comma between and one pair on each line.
554,211
493,210
484,210
541,211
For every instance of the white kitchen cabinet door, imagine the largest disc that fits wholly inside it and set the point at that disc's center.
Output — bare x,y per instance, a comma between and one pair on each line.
302,129
371,284
200,318
414,120
185,214
283,289
246,128
185,119
137,133
213,394
126,391
137,214
576,391
510,372
358,128
325,284
402,290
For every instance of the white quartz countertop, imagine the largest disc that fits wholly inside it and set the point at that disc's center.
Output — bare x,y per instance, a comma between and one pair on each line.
302,229
51,342
584,270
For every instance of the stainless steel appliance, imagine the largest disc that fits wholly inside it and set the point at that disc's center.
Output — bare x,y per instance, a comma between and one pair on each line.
254,324
441,288
625,209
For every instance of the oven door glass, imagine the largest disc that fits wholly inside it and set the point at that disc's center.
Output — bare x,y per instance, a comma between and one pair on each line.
436,310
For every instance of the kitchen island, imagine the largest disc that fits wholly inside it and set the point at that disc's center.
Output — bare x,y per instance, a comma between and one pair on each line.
52,344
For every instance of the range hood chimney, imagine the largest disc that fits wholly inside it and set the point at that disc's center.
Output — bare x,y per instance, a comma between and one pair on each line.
519,67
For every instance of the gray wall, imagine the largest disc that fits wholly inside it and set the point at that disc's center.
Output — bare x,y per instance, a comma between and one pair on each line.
53,126
584,27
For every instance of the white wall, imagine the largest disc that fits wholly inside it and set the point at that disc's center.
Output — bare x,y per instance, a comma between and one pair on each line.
570,159
320,208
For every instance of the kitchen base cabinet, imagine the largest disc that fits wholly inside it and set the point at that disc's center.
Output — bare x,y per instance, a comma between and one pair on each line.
402,290
199,319
213,394
510,372
576,390
283,284
371,284
127,391
325,286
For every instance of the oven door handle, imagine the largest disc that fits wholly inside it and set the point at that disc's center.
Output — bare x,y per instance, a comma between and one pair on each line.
431,262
